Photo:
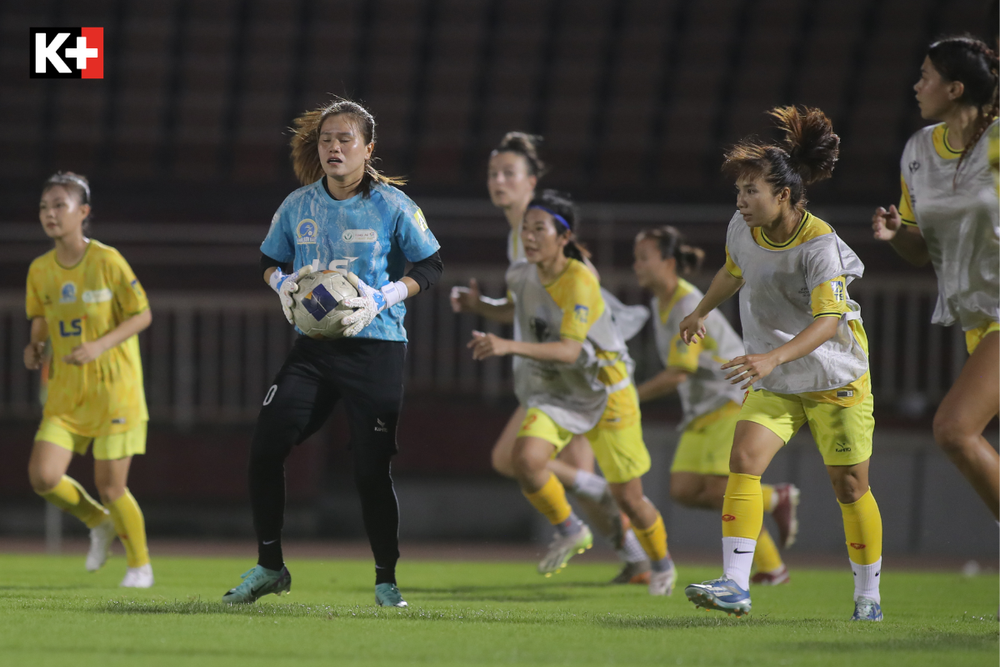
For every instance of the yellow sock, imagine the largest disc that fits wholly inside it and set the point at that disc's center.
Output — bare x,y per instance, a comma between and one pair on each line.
863,529
551,501
70,497
131,529
766,557
767,493
653,539
743,507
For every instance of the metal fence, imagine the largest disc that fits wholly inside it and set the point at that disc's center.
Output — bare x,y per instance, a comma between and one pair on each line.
209,357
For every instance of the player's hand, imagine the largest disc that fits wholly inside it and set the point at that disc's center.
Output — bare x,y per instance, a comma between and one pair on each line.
465,299
749,368
886,223
486,345
84,353
369,303
693,328
34,355
285,284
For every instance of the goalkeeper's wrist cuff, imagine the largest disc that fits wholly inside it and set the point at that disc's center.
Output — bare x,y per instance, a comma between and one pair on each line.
276,278
394,293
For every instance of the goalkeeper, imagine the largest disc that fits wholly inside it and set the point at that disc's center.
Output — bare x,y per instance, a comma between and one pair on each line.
350,218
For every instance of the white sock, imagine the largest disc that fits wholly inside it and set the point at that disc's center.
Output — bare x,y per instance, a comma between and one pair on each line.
866,580
632,551
589,485
737,559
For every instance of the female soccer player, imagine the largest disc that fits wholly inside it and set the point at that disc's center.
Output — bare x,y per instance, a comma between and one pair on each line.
806,360
948,216
512,176
711,405
572,373
343,192
83,297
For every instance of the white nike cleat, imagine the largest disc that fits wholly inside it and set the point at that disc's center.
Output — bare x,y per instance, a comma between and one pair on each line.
101,537
562,548
138,577
662,583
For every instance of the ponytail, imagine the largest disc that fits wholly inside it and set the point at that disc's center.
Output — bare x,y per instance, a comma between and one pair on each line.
671,244
561,207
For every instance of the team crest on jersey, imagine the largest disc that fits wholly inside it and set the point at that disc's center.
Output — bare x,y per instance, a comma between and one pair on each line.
914,166
67,294
581,313
306,232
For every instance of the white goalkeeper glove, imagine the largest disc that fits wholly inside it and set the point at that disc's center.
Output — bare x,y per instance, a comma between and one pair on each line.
285,285
370,302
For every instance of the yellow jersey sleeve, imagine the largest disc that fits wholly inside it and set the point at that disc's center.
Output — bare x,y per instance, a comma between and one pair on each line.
128,292
734,271
906,204
683,356
578,295
829,299
33,305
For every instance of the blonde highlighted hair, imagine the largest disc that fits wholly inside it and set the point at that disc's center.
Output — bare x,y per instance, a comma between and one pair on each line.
305,143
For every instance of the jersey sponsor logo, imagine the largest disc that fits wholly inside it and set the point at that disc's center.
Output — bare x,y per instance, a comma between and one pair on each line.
581,313
845,393
118,420
838,290
842,447
67,53
858,546
380,426
421,221
305,232
914,166
359,236
338,265
97,295
74,328
67,293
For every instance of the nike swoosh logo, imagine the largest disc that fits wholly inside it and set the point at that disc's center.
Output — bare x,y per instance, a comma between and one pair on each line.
737,551
271,542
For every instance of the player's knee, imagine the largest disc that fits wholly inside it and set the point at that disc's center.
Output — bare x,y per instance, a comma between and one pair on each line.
42,480
110,491
849,488
526,463
950,434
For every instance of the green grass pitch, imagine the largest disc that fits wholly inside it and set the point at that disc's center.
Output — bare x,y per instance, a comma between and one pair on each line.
52,612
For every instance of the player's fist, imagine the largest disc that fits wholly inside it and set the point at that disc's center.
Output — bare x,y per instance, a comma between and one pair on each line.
692,328
34,354
486,345
465,299
885,223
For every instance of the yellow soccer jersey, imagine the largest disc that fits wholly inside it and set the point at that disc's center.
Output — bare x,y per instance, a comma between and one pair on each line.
83,303
828,299
577,292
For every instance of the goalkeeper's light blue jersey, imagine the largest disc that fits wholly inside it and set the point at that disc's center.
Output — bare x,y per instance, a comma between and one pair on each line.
374,237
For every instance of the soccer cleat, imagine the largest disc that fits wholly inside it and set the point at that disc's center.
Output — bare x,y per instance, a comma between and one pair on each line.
779,576
258,582
564,547
662,583
101,537
866,609
387,595
785,514
633,573
138,577
722,594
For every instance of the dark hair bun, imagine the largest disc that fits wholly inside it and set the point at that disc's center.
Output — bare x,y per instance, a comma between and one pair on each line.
810,142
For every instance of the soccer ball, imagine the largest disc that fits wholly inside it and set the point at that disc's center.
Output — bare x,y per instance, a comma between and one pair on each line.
318,308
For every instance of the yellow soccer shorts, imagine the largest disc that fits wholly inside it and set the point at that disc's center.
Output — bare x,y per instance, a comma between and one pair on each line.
106,447
974,337
843,435
707,441
617,442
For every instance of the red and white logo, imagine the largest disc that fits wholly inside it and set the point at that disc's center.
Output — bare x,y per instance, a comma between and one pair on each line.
67,53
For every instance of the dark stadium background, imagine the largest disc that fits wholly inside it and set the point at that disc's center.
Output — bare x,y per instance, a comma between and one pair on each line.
185,145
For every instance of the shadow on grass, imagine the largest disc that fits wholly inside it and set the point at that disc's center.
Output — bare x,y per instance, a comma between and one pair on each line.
540,592
949,642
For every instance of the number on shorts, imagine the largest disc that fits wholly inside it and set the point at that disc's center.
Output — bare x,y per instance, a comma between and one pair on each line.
270,394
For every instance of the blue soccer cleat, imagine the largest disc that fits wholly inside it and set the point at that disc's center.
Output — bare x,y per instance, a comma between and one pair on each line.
722,594
388,595
258,582
866,609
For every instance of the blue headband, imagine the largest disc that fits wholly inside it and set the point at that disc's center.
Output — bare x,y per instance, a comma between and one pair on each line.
554,215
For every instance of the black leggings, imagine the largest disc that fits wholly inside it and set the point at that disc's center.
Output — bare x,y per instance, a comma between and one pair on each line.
368,376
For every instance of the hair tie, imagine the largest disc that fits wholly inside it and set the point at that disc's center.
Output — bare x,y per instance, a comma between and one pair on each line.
554,215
